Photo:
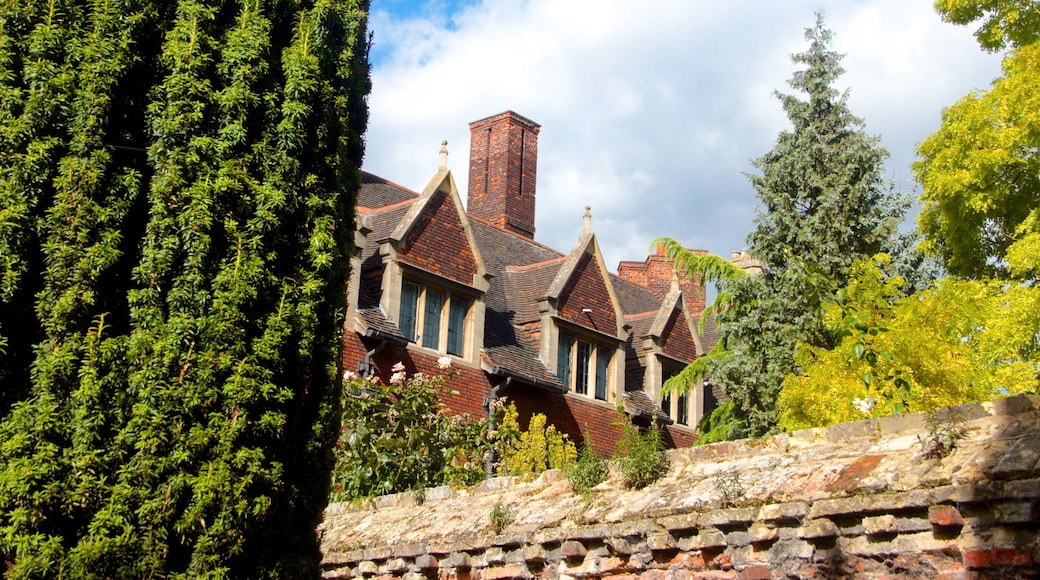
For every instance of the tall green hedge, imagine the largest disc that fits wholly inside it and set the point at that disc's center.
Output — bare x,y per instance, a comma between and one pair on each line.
177,187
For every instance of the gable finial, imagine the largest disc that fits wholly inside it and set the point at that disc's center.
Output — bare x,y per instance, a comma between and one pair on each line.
675,278
588,219
444,155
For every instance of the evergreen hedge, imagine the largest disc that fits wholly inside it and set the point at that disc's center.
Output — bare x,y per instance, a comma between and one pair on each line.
177,186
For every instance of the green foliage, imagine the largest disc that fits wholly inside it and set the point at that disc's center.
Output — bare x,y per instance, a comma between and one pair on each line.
729,487
1004,22
533,451
588,471
640,455
719,425
826,203
980,204
399,437
960,341
500,517
945,429
176,201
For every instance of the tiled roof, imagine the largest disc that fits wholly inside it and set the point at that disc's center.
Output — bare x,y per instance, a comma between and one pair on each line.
376,320
640,404
634,299
377,192
710,335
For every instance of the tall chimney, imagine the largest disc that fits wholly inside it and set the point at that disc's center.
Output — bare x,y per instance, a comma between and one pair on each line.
503,163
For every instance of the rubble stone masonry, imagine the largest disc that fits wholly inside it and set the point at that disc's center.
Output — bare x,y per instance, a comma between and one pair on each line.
869,499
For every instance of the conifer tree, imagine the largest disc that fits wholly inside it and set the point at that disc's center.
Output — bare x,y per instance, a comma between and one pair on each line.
176,213
825,203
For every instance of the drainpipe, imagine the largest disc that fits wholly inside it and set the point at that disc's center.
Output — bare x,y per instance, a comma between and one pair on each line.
365,368
489,457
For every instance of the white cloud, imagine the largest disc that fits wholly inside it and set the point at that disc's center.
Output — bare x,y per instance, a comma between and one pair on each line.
650,112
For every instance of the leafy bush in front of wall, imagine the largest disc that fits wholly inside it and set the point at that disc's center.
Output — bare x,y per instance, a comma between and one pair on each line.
533,451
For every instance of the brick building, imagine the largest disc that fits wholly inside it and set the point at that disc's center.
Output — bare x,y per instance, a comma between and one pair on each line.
555,333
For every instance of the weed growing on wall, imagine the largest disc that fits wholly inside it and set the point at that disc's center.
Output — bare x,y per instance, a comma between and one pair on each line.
640,455
588,471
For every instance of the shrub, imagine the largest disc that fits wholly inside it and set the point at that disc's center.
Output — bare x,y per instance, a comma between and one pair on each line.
640,456
533,451
588,471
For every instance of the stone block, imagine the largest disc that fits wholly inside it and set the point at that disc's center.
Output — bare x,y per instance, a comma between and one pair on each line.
534,553
738,538
708,538
880,525
513,539
1016,512
403,499
376,553
494,555
679,523
367,568
456,560
572,549
427,562
619,546
661,541
396,565
880,503
1021,460
493,484
728,517
759,533
1014,405
789,511
1022,489
818,529
945,516
437,493
595,532
785,550
408,549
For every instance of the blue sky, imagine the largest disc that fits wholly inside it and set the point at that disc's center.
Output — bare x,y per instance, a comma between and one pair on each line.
651,111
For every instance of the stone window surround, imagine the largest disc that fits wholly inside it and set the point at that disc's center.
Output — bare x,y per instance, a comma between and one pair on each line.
395,273
598,340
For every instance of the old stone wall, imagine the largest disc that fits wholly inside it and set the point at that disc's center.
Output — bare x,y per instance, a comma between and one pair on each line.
870,499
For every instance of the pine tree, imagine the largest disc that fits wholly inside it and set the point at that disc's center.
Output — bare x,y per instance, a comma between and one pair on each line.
177,212
825,203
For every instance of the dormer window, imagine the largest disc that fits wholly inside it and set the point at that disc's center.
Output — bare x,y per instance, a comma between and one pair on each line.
433,317
584,367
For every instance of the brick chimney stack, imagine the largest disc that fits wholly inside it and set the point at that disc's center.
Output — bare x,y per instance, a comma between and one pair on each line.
656,274
503,163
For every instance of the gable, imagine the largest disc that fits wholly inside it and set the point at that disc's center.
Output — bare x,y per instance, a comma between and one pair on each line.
437,242
587,289
677,340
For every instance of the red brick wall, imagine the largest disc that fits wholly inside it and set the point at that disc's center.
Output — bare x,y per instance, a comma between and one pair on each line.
588,289
502,172
571,414
656,274
437,242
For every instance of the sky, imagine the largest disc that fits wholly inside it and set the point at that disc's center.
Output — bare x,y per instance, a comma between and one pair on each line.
651,110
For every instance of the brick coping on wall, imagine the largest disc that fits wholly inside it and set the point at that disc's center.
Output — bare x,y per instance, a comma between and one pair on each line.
864,499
